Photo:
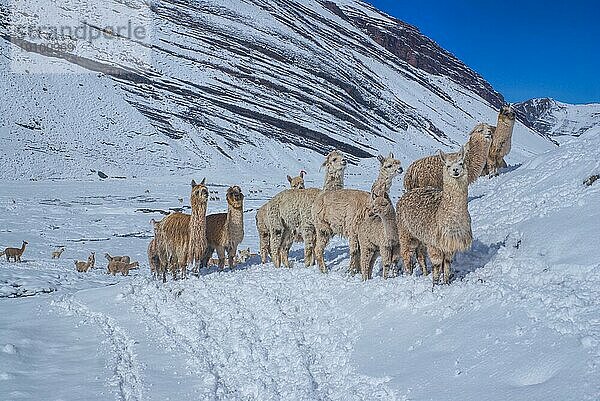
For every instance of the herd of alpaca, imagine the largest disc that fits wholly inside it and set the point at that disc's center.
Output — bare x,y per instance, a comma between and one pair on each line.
430,219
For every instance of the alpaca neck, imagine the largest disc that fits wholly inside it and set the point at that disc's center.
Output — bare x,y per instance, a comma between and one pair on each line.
382,184
198,217
455,193
504,126
235,217
333,180
476,157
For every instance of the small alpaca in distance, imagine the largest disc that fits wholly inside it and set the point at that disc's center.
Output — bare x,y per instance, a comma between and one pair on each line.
14,253
56,254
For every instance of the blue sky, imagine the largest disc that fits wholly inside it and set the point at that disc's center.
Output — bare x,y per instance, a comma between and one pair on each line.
523,48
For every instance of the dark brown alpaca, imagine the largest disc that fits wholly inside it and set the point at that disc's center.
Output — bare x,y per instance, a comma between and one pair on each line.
14,253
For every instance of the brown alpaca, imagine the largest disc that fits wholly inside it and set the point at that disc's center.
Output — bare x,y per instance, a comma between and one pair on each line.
56,254
83,267
117,266
183,236
428,171
436,219
14,253
297,182
501,143
125,259
225,231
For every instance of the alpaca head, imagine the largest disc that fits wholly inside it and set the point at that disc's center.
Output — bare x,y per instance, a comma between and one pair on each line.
235,197
390,167
483,131
381,204
25,243
92,257
335,162
297,182
199,194
454,164
244,255
508,112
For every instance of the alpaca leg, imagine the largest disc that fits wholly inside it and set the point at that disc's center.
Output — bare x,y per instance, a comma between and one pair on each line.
355,257
309,245
221,253
365,264
264,247
231,252
421,253
322,240
437,261
447,268
276,240
286,245
386,260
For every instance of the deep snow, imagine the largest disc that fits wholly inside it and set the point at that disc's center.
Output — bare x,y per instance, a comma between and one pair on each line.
520,322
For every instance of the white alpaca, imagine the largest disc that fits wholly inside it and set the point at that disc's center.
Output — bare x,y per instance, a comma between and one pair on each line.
437,219
289,213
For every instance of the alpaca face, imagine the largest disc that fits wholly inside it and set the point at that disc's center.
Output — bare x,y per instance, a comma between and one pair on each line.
381,204
335,162
484,130
508,111
454,163
199,193
296,182
390,167
235,197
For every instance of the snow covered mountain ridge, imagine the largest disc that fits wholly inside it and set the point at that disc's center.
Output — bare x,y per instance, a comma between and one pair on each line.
560,120
243,85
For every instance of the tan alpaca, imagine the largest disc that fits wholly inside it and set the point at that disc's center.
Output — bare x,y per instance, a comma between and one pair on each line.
154,256
501,143
116,266
336,212
225,231
377,234
14,253
83,267
262,220
183,236
125,259
428,171
264,232
56,254
297,182
289,213
437,219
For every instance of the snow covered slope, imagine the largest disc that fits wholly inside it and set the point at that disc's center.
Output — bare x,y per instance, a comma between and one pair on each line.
519,322
238,85
560,120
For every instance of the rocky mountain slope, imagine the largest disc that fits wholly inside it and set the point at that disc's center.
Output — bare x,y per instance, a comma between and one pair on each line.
559,120
242,85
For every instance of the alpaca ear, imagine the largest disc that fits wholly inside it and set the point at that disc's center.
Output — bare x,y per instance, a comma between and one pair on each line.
443,156
203,181
462,152
381,159
194,183
391,155
289,179
302,172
